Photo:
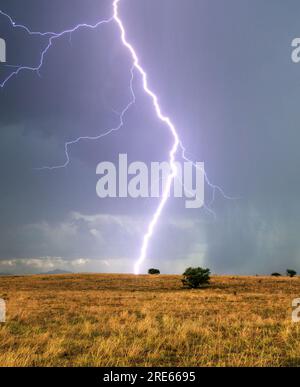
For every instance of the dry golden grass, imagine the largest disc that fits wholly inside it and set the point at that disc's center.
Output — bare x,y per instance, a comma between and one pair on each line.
123,320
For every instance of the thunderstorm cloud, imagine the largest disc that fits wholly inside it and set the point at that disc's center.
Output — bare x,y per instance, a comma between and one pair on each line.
224,74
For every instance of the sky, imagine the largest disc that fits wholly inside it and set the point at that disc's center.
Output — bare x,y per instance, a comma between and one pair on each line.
223,73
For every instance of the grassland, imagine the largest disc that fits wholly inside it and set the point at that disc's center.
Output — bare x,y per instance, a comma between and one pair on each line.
123,320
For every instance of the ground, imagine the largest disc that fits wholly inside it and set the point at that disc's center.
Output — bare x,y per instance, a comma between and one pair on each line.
123,320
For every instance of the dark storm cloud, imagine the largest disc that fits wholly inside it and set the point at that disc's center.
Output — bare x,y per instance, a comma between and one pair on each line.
224,74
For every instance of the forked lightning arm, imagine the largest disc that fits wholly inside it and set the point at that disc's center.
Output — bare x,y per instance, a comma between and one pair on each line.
136,66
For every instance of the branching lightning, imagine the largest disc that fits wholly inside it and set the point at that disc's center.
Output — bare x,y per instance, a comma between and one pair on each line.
52,36
177,145
95,138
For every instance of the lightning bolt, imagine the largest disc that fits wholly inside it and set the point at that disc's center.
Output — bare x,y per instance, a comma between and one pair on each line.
136,67
167,121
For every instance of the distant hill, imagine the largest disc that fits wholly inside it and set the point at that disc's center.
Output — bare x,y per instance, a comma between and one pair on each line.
57,271
52,272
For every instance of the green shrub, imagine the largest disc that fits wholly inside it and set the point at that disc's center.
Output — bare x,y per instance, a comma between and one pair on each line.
195,277
276,275
153,271
291,273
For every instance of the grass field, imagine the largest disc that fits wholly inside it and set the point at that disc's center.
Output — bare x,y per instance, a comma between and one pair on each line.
123,320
